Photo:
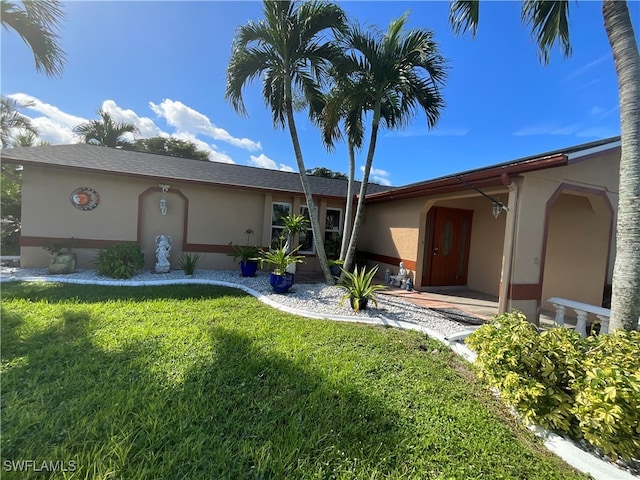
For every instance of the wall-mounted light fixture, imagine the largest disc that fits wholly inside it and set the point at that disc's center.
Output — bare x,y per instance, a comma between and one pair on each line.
163,200
496,205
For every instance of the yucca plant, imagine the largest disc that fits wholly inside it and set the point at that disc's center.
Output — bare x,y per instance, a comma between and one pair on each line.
280,258
359,288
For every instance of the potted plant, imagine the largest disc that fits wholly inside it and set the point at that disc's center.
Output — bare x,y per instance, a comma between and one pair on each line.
248,256
281,279
359,289
294,225
61,258
335,266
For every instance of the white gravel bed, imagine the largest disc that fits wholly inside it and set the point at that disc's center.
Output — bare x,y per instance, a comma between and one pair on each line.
317,298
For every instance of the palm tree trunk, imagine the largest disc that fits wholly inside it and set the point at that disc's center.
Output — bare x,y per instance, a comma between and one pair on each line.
353,242
346,228
625,301
313,211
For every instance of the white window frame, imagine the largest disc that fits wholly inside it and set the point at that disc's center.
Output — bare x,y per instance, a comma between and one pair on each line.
275,226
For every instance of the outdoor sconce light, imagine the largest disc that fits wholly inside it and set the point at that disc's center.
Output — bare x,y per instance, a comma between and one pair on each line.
163,200
497,207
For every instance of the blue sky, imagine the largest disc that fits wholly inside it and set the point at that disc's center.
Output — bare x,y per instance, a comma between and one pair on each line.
162,65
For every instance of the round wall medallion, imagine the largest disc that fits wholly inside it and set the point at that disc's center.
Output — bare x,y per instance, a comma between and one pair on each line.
85,198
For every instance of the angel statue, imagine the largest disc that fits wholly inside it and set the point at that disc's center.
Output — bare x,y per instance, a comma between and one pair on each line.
163,249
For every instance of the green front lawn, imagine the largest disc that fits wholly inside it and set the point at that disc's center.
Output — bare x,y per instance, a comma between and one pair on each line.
187,382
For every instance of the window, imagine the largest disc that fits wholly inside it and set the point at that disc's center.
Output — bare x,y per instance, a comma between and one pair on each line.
332,231
278,210
305,239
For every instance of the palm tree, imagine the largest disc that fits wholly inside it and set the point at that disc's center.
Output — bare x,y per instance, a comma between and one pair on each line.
550,24
105,132
394,75
288,49
12,122
339,107
36,23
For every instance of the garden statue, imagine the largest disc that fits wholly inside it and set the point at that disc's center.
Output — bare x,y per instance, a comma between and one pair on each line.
163,249
400,279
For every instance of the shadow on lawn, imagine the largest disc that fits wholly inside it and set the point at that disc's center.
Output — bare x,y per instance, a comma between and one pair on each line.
60,292
237,410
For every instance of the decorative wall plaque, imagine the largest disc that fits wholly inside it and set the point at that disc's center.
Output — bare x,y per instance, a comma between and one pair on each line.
85,198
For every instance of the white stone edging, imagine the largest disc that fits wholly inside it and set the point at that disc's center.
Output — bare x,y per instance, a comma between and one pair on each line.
563,448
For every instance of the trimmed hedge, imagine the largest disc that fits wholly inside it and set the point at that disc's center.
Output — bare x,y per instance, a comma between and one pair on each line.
583,387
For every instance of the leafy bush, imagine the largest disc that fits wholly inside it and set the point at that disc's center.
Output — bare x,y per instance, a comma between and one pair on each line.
120,261
532,371
608,395
189,262
557,379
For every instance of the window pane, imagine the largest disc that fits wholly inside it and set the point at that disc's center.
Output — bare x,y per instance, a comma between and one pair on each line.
278,211
306,241
333,219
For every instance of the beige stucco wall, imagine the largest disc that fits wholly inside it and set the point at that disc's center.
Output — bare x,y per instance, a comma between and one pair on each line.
394,229
214,216
577,242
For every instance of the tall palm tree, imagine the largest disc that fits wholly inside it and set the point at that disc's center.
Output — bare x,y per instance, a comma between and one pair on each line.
341,107
289,51
395,74
105,131
550,24
13,122
36,22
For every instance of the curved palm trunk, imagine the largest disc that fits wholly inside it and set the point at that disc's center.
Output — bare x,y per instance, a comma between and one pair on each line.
313,212
625,302
346,228
353,242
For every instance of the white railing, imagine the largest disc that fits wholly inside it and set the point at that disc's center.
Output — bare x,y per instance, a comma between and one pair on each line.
582,310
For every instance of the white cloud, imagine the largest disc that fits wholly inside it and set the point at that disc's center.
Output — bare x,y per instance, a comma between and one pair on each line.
54,133
184,118
378,175
587,67
263,161
145,125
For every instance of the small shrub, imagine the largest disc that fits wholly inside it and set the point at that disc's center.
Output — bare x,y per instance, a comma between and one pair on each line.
189,262
120,261
359,289
534,372
586,387
608,395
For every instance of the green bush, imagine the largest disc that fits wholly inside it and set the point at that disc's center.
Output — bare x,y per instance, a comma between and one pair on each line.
120,261
608,395
532,371
584,387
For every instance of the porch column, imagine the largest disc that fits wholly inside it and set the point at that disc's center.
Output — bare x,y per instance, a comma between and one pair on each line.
523,280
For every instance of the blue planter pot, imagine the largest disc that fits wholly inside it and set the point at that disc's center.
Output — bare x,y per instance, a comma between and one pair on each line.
248,268
281,283
335,270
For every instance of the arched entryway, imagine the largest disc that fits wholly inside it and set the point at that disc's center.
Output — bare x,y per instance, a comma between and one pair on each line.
578,229
152,222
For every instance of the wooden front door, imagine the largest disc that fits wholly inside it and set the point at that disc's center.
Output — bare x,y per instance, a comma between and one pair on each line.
448,248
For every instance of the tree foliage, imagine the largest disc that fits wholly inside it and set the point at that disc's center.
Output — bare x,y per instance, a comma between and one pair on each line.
106,131
171,146
326,172
36,21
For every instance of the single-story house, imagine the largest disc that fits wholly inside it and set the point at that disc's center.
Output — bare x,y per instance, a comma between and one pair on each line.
523,230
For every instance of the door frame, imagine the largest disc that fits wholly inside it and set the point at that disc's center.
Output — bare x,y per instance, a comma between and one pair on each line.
430,230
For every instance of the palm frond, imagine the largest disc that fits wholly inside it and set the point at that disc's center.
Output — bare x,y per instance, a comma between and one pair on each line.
464,15
549,21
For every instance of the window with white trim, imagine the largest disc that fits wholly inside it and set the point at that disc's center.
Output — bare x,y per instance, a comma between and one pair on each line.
332,232
278,211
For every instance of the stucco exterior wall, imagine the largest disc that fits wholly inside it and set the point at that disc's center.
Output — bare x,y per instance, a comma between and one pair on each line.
200,218
577,242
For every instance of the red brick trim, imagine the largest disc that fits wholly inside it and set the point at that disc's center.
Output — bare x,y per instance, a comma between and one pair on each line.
525,291
34,241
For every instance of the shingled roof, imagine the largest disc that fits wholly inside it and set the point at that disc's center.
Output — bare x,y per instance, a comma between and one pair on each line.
92,158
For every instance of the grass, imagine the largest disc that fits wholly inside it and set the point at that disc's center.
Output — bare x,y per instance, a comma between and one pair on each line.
206,382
